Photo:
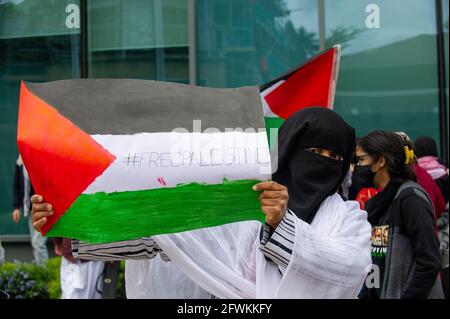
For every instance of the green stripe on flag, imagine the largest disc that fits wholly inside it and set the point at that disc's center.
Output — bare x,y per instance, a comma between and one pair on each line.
272,122
109,217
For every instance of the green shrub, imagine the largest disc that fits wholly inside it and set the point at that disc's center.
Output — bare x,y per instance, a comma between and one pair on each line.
30,281
54,287
24,281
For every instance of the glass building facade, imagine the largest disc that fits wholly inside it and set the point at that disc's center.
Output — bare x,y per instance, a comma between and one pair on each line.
393,72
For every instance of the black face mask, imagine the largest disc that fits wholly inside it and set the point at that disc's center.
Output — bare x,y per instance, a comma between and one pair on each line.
311,176
363,176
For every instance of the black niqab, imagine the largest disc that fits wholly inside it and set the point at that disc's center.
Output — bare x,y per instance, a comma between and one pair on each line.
310,177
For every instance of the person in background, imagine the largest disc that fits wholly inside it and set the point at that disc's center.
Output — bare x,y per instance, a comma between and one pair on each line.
22,192
427,157
80,279
406,258
426,151
361,188
426,181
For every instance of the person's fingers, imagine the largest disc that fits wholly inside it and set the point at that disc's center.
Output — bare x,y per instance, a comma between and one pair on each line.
271,202
38,225
41,207
274,194
36,198
268,185
41,214
262,186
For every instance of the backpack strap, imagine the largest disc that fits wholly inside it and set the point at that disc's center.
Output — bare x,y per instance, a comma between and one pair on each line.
418,190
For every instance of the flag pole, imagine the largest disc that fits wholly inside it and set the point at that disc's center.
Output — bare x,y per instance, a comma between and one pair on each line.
335,74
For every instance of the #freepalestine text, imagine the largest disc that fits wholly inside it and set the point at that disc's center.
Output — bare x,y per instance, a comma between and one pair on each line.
208,157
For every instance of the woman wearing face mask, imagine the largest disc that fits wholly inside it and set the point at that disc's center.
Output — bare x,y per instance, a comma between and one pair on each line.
312,245
408,260
361,187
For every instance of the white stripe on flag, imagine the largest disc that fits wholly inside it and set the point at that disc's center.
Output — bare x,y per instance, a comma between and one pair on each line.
266,108
155,160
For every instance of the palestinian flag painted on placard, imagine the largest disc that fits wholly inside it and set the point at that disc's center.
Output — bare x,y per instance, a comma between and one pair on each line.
103,153
121,159
311,84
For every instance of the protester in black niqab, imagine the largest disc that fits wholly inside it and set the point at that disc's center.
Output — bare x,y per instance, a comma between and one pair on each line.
310,177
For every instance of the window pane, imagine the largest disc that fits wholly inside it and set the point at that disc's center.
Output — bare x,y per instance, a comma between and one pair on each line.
32,18
388,76
138,39
34,46
247,42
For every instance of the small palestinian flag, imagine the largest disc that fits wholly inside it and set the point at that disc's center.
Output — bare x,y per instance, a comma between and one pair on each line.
123,159
310,84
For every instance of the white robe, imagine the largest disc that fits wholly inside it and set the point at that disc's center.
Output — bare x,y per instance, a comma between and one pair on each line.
330,259
80,280
158,279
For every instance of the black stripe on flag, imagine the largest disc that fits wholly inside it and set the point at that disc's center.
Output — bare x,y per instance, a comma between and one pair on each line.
128,106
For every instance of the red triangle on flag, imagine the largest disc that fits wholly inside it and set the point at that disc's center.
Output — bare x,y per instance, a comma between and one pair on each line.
310,85
62,160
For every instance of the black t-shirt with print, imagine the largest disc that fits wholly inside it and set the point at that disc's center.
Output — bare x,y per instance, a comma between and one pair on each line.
379,243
